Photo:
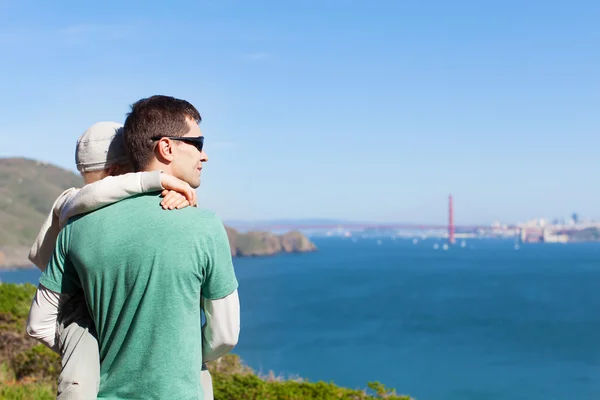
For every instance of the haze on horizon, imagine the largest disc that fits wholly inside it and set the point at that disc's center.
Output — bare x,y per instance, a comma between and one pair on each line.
364,112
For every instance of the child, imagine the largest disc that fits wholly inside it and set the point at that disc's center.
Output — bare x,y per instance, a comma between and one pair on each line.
102,161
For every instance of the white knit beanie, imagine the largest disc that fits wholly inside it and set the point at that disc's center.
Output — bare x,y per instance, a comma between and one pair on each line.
101,146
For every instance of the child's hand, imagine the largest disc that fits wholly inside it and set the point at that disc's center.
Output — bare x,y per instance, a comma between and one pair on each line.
173,200
172,184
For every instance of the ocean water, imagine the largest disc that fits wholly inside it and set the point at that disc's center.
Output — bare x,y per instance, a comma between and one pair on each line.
482,322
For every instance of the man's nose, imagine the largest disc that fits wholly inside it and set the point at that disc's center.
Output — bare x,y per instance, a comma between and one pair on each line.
203,156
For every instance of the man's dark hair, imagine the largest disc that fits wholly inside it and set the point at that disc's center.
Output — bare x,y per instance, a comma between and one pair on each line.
152,117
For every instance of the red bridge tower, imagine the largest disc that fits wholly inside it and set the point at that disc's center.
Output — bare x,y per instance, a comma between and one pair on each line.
451,239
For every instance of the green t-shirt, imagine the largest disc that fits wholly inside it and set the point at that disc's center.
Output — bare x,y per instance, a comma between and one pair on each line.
142,270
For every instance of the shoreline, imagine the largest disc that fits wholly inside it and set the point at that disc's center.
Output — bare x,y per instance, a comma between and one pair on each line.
8,268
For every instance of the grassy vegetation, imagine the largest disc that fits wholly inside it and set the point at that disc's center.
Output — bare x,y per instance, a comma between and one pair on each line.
29,370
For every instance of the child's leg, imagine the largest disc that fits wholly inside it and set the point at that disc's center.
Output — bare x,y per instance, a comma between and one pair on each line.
206,382
80,375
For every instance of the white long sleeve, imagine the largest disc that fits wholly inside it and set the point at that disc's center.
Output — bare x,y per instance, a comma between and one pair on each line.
108,191
89,198
43,245
41,323
221,331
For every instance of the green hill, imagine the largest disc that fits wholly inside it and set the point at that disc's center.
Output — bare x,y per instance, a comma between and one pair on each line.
28,189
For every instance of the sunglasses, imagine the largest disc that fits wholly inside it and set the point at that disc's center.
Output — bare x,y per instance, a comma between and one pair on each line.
197,142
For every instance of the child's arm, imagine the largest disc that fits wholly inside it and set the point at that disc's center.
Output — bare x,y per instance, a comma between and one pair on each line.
41,322
108,191
115,188
43,246
77,201
221,331
99,194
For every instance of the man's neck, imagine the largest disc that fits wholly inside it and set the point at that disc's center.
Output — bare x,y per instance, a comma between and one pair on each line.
158,166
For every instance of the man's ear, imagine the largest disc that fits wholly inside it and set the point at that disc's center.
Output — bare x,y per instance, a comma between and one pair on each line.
113,170
164,149
119,169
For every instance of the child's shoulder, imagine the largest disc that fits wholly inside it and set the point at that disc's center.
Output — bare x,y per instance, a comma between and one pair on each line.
64,197
70,192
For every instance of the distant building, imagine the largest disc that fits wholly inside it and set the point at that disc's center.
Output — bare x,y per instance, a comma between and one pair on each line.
551,237
575,217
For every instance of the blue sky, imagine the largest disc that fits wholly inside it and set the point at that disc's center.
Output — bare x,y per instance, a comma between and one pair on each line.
367,111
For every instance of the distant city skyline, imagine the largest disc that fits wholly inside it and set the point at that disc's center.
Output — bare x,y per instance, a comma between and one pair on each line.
370,112
325,221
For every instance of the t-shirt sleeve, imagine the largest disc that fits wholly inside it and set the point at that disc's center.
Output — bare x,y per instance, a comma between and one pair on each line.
219,275
60,275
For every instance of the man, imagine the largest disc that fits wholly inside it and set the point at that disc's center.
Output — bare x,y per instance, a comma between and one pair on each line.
145,273
101,158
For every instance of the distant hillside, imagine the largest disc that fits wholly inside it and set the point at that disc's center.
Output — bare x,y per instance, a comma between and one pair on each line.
28,189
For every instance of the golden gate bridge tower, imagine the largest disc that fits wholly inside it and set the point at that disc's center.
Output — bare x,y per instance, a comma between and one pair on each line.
451,239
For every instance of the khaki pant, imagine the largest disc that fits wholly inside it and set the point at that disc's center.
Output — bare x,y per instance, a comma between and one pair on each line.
79,378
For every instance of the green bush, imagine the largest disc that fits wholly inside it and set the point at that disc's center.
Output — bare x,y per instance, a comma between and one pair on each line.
232,380
242,387
15,301
37,362
27,391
